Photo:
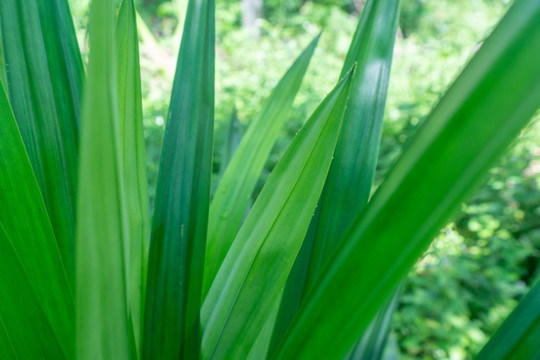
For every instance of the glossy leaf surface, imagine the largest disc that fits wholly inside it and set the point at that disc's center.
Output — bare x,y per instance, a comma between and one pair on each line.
483,111
44,84
255,269
348,186
238,182
171,328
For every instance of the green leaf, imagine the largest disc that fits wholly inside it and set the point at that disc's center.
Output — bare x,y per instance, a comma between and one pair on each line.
260,348
44,82
237,184
374,340
256,267
171,323
348,186
103,239
484,110
36,302
133,157
517,338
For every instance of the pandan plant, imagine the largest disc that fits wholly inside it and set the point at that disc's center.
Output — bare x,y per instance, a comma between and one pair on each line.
310,273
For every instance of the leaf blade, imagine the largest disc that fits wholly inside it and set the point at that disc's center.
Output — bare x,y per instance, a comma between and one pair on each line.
36,303
44,82
233,193
254,271
130,118
171,328
103,327
388,249
348,185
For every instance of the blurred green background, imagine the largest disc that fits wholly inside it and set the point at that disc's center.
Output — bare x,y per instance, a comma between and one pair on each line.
483,262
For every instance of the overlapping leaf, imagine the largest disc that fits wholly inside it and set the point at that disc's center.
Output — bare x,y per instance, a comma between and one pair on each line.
44,83
480,115
133,157
36,302
255,269
349,181
238,182
104,329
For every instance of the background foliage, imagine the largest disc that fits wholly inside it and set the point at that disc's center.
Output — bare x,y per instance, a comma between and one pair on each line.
482,263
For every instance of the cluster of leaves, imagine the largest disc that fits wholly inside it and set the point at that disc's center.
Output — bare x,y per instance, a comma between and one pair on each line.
435,36
94,290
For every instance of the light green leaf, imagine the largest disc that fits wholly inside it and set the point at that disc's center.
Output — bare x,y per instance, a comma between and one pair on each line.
133,152
36,302
255,269
103,239
237,184
517,338
484,110
44,82
171,323
260,348
348,186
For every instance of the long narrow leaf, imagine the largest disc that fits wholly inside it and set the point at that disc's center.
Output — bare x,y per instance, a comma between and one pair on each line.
44,83
133,151
349,181
36,302
171,325
103,328
348,186
481,114
234,190
517,338
255,269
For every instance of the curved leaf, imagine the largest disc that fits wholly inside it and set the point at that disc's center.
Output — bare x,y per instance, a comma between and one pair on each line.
348,186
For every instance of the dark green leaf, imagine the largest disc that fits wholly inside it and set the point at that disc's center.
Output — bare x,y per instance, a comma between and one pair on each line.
36,302
171,323
373,342
44,82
